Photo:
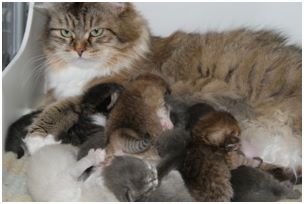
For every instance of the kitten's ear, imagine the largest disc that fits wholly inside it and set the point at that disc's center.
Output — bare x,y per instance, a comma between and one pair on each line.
114,97
118,7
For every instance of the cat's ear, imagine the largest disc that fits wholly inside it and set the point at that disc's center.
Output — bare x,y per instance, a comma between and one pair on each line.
44,8
118,7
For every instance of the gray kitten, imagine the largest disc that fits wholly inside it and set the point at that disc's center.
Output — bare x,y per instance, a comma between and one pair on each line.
132,179
254,185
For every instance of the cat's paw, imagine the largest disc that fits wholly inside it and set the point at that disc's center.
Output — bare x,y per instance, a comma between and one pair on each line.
97,156
34,142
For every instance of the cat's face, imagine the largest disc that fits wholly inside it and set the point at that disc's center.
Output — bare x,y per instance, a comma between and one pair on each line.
100,33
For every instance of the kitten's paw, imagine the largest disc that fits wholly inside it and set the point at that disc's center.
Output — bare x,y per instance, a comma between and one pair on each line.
234,159
34,142
152,179
96,156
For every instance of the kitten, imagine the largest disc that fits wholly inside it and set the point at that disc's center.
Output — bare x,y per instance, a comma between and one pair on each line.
139,117
124,178
54,174
74,121
204,169
144,179
253,185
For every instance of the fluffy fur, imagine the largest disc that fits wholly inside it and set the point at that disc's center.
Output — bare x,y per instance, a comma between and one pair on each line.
253,74
54,174
253,185
122,40
16,133
72,121
139,117
205,170
132,179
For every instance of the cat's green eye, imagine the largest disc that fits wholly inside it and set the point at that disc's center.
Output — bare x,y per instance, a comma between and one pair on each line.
66,33
96,32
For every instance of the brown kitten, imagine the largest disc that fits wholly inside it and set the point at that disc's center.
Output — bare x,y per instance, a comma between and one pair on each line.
205,170
139,117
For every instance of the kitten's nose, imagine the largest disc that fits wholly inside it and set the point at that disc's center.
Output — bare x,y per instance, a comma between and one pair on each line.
80,48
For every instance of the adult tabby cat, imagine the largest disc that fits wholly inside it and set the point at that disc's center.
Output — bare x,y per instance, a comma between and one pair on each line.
253,74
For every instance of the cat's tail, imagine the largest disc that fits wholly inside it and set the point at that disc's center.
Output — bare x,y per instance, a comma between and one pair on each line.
17,132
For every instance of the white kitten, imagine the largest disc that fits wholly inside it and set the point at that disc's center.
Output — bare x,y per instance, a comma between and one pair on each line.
54,175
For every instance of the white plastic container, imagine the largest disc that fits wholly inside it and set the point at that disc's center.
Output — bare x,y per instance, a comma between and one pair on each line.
22,89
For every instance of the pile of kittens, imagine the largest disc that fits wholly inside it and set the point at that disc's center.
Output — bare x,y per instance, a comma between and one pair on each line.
137,142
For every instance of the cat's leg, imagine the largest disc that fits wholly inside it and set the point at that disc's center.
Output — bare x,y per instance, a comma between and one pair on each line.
236,159
54,119
273,138
94,158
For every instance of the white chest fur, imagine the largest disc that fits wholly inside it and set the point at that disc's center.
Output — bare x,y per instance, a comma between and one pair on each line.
70,80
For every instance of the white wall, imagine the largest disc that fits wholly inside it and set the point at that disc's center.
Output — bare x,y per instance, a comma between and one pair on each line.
164,18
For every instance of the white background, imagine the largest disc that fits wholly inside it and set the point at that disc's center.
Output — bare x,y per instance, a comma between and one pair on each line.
164,18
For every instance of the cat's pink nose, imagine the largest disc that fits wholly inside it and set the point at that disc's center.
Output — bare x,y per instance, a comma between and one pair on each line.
80,48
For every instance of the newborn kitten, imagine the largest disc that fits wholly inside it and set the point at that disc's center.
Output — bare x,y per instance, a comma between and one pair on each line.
133,179
54,174
139,117
254,185
204,170
73,121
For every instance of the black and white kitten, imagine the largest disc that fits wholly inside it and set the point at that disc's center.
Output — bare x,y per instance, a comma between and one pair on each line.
95,105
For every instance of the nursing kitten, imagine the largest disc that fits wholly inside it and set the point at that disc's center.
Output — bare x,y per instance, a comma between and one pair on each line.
205,170
54,174
139,116
145,186
74,121
254,185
